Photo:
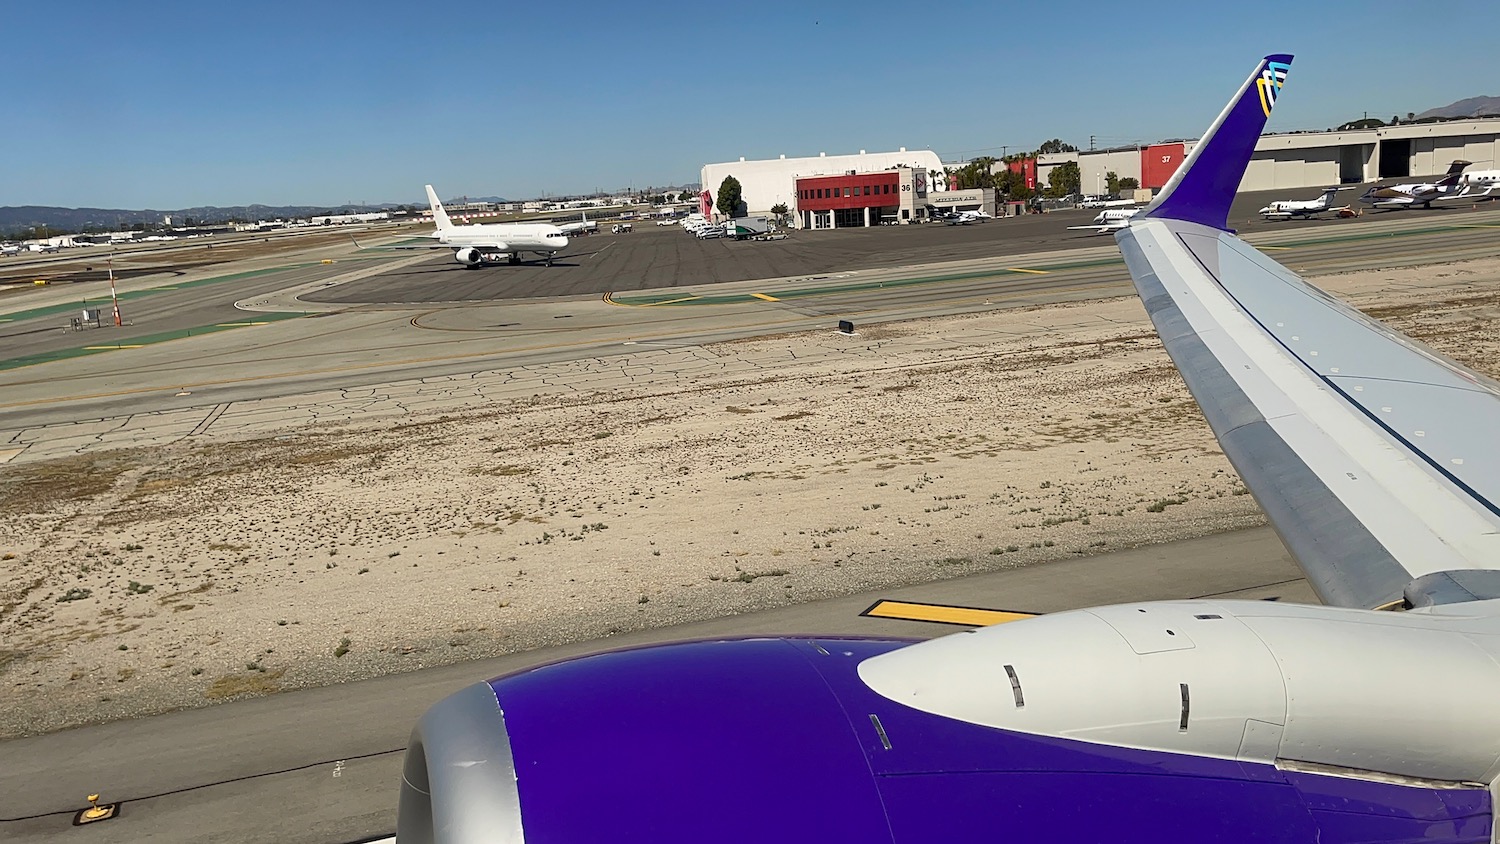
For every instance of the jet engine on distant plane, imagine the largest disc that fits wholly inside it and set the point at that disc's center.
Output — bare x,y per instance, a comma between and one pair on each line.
468,256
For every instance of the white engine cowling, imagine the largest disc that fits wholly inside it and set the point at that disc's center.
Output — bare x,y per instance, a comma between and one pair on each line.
468,256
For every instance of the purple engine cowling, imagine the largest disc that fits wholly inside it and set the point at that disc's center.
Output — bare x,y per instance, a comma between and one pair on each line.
778,740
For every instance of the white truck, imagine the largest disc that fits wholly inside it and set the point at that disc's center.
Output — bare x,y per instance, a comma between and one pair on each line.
742,227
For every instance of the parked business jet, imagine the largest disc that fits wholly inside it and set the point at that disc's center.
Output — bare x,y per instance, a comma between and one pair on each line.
1418,193
1109,220
1484,182
1198,720
1286,209
477,244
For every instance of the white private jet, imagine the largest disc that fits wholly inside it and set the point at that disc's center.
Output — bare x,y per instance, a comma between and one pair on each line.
1420,193
976,215
477,244
1109,220
10,249
1286,209
1484,181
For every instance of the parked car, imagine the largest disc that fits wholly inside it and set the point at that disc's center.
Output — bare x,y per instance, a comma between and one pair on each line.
710,231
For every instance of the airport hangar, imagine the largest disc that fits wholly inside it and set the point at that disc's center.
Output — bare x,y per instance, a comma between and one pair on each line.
1287,161
840,191
1295,160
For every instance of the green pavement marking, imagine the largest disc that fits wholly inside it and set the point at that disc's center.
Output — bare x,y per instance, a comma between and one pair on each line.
137,342
99,301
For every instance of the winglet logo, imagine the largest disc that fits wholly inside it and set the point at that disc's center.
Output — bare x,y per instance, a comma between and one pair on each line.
1272,77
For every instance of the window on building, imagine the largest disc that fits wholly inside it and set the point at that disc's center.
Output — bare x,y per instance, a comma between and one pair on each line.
848,192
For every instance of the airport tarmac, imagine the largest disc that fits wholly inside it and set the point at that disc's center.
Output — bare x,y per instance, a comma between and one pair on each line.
322,765
252,342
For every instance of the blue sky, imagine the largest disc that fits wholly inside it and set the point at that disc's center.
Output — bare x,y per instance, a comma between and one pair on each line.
174,104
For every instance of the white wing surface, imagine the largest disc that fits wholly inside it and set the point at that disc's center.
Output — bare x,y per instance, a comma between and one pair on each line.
1373,457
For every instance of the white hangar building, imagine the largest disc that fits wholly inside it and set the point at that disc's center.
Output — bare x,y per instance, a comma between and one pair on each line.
771,181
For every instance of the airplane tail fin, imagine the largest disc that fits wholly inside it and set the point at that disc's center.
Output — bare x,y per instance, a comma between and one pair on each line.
1455,172
439,216
1203,187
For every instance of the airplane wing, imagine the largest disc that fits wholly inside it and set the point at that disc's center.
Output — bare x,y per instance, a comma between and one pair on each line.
494,246
1372,456
1098,229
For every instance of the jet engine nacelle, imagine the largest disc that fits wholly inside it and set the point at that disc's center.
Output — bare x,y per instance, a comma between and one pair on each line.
468,256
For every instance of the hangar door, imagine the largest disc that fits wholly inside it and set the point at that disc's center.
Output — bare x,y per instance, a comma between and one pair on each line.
1352,163
1395,158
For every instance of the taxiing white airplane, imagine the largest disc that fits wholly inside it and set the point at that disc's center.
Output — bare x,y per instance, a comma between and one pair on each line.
10,249
1420,193
480,243
1286,209
1109,220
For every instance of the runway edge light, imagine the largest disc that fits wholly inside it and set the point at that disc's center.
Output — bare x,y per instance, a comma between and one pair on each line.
95,812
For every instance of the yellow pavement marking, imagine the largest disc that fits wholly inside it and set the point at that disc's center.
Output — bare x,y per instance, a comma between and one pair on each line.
1273,247
1024,270
942,614
766,297
121,346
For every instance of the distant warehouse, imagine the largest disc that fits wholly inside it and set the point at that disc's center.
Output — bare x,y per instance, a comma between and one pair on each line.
1296,160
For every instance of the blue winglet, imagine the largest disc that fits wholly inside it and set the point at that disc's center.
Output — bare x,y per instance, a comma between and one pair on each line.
1203,187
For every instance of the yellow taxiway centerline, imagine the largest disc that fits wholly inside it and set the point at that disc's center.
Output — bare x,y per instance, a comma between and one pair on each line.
1023,270
942,614
765,296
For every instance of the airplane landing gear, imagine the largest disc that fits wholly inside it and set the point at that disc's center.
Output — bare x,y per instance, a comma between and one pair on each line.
549,258
513,258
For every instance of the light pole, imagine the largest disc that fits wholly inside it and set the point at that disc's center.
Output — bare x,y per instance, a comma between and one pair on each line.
114,298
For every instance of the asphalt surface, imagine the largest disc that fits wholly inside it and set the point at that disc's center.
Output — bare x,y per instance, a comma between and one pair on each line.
373,344
667,257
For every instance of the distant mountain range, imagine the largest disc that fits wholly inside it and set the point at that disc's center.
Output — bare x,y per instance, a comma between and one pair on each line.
1471,107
